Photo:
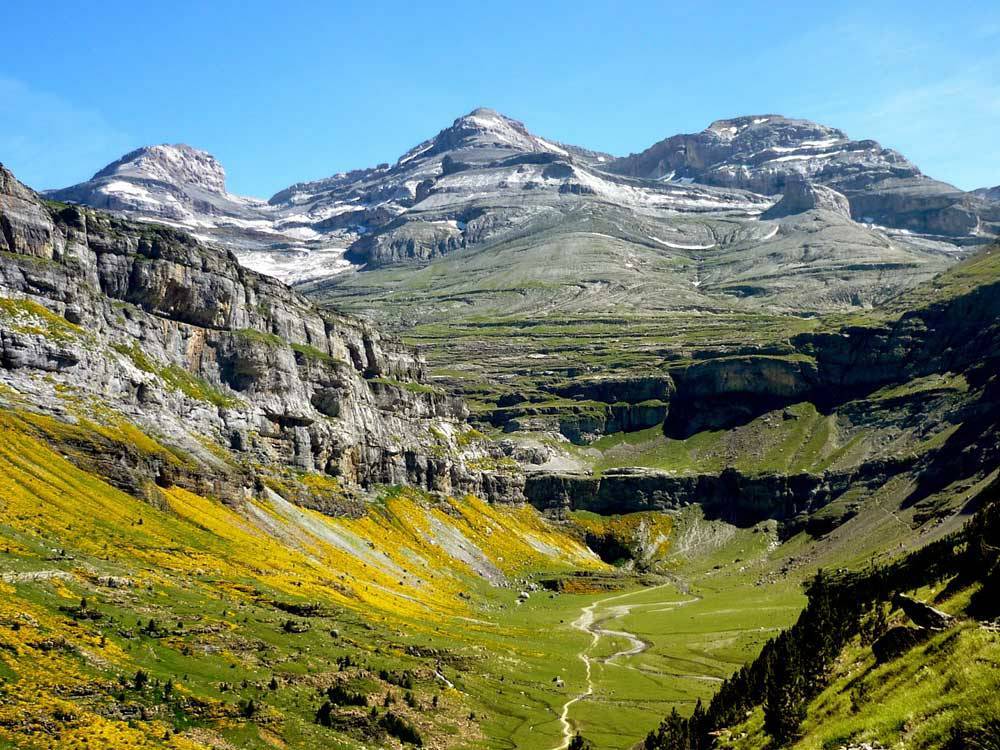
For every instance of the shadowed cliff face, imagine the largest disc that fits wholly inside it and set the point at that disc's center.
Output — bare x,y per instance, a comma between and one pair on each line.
862,377
180,338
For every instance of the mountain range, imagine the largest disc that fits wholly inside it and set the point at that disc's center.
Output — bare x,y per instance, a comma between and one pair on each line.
712,214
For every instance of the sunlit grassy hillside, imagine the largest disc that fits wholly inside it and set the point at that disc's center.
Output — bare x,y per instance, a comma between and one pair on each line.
185,622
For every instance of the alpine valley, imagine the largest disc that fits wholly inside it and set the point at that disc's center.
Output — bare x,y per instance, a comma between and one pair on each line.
508,444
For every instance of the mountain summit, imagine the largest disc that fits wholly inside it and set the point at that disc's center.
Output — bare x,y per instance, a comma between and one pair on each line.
482,134
178,164
758,152
175,183
762,152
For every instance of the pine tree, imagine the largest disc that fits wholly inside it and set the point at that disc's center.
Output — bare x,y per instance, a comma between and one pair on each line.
698,728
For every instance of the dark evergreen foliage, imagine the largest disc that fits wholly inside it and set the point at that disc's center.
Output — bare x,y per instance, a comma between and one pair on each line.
324,716
401,729
338,695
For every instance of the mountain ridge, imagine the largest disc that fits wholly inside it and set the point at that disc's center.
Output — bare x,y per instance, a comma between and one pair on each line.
489,171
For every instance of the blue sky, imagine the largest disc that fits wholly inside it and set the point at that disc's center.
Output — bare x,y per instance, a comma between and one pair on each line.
283,92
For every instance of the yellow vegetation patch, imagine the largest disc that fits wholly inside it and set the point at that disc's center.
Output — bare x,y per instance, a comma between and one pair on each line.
409,563
27,316
645,535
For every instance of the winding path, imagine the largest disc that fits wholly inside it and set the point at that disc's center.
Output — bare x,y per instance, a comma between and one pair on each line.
589,623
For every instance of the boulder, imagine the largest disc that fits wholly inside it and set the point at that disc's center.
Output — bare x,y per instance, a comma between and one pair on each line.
923,615
897,641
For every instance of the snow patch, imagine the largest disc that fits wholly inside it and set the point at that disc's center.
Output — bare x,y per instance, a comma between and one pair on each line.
806,157
552,147
415,153
679,246
770,234
296,264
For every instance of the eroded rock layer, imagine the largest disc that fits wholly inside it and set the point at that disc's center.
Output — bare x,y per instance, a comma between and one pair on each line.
180,338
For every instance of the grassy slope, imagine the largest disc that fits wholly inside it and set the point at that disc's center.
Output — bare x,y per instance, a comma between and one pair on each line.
214,579
912,701
209,575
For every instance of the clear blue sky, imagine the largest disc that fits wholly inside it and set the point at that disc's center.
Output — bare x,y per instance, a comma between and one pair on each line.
282,92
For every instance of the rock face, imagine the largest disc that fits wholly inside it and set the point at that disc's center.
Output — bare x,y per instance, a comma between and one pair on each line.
188,343
801,195
763,153
729,494
25,226
990,194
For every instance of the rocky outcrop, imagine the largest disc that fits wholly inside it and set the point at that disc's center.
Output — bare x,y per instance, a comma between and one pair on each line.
719,392
897,641
730,494
829,368
191,345
580,422
990,194
611,389
800,195
952,335
918,204
25,226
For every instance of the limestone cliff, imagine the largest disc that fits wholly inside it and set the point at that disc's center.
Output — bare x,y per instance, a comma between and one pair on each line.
212,358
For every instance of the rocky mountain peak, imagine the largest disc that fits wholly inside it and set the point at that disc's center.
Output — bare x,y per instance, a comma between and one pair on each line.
482,134
775,130
763,153
490,125
168,182
10,185
177,164
484,118
25,226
